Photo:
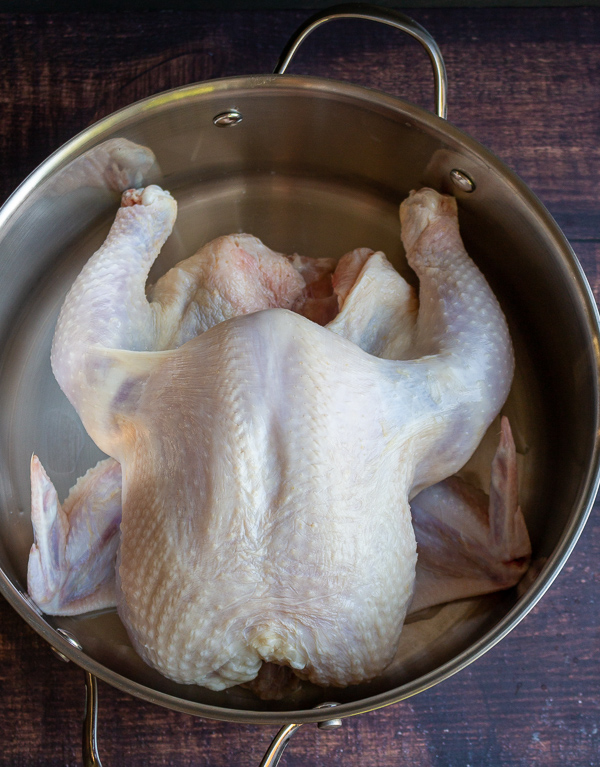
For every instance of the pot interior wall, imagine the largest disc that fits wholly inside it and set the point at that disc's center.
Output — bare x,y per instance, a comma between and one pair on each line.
316,170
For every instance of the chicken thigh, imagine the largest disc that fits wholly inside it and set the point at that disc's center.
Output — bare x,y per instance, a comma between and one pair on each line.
267,462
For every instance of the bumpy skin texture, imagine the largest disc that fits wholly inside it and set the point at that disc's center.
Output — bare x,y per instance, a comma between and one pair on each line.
268,462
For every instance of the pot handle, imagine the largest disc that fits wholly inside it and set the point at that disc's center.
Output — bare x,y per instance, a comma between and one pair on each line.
90,723
90,757
385,16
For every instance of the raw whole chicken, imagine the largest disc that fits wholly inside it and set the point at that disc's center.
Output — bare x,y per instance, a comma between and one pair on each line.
269,419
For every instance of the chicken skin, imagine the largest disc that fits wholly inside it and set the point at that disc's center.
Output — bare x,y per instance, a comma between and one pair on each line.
257,495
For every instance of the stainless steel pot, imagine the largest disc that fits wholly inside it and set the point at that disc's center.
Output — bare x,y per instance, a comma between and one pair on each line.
317,167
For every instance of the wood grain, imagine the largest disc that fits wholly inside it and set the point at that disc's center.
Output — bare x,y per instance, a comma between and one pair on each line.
524,82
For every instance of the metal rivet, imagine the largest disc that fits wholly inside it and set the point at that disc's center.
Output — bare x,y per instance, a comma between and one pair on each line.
462,181
329,724
225,119
71,640
60,656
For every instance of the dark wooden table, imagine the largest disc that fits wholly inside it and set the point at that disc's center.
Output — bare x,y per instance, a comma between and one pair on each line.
524,82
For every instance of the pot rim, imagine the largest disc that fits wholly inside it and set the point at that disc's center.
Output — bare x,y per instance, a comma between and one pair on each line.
304,85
